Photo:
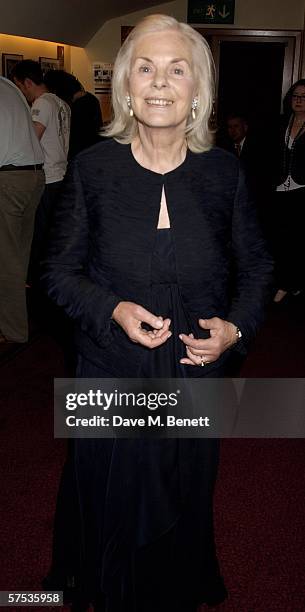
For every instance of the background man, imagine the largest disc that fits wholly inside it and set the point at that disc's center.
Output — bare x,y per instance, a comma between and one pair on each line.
21,186
237,127
51,117
255,158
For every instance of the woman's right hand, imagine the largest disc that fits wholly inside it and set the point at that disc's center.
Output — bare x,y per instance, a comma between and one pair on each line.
130,317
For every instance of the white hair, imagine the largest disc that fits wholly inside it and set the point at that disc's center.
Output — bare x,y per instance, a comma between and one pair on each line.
198,133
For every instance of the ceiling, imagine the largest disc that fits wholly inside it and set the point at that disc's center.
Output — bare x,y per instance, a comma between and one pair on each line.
72,22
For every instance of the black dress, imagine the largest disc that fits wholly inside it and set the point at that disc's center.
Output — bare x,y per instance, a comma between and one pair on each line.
287,211
142,533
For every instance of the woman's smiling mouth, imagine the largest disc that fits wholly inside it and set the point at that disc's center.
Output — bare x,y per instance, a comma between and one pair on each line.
158,102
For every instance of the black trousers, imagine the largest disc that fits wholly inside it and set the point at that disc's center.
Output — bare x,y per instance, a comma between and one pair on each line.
287,238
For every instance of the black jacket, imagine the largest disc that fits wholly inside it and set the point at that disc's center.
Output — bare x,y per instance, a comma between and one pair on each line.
255,160
287,160
103,240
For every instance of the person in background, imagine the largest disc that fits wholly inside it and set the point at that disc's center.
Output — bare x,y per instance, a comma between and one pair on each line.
86,115
21,186
245,145
288,206
237,127
51,118
152,223
243,141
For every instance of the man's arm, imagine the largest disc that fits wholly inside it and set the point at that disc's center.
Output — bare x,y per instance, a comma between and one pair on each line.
41,112
39,129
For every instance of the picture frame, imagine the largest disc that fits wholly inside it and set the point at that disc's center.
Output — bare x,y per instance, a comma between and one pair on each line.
102,74
9,61
61,56
49,63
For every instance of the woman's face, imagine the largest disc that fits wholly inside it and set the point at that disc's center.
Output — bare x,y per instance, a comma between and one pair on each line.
161,83
298,99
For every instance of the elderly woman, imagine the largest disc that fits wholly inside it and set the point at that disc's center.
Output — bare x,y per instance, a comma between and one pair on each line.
158,259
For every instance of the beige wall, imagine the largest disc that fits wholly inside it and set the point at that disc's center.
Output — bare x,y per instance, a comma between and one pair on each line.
107,41
252,14
249,14
82,67
269,14
31,48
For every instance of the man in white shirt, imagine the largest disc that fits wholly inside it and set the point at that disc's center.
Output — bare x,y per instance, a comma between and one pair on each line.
51,117
21,186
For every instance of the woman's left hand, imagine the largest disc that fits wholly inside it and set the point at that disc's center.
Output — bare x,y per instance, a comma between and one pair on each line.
201,351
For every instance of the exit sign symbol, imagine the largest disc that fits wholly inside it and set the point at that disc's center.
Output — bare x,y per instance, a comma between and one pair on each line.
219,11
224,13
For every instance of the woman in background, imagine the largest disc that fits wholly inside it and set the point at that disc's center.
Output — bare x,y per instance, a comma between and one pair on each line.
288,214
153,226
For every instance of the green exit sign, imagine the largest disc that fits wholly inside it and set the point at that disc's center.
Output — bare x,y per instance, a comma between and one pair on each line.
219,12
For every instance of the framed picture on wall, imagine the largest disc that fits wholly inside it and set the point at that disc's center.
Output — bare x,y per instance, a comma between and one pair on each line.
61,56
9,60
49,63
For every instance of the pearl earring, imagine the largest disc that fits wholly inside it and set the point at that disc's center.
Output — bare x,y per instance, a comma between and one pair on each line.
128,100
194,107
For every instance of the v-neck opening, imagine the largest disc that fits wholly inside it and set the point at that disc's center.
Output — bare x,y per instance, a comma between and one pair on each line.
159,174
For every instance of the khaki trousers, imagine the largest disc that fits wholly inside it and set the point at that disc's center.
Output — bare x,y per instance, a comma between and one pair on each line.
20,192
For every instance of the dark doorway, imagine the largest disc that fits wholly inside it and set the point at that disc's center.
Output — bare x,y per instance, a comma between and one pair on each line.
254,70
250,80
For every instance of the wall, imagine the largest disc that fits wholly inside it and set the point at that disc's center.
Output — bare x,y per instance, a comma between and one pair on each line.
269,14
107,41
81,67
252,14
31,48
249,14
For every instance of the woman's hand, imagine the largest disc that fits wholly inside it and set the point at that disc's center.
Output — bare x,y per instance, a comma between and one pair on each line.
130,317
202,351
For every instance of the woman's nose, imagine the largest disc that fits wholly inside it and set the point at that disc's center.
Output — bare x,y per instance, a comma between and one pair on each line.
160,79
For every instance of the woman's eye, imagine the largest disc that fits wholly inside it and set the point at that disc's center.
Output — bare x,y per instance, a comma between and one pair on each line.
178,71
144,68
